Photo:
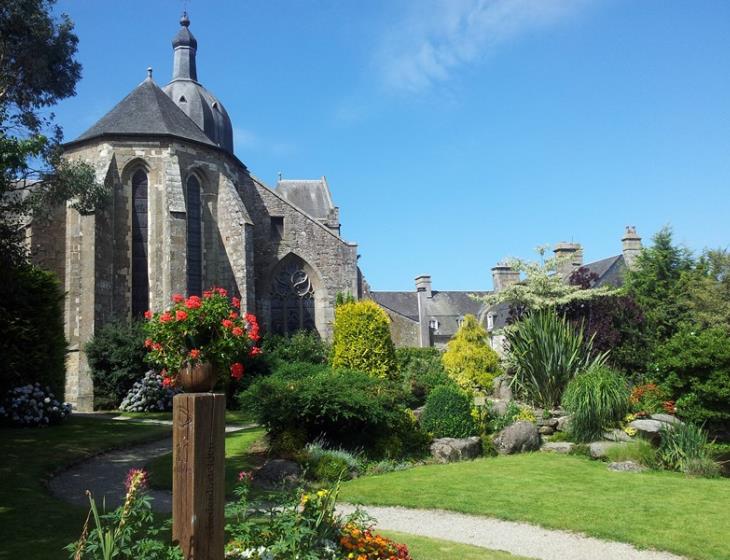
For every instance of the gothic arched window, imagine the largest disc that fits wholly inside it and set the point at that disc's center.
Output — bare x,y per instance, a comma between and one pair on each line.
140,277
194,238
292,299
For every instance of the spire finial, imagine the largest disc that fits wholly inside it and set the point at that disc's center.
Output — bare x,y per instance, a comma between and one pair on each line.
149,72
185,20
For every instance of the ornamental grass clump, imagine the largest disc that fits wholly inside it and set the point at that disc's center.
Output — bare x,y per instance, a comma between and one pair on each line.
196,330
546,352
685,447
597,399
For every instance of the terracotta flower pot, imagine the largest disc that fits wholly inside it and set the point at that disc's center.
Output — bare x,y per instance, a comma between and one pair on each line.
198,378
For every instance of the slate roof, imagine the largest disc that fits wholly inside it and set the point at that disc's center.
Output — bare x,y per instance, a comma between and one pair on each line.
146,111
444,306
312,196
610,271
403,303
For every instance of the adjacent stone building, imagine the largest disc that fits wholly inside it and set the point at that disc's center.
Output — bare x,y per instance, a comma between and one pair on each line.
427,317
185,214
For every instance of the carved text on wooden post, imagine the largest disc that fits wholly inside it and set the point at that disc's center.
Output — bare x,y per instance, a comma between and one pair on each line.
198,482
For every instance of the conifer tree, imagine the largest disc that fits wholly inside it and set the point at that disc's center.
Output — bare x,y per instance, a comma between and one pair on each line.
469,359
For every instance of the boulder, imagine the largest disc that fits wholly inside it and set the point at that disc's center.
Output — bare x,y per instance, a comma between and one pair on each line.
277,473
648,429
563,447
598,449
417,412
546,430
667,419
449,450
563,424
550,422
518,438
502,389
626,466
616,435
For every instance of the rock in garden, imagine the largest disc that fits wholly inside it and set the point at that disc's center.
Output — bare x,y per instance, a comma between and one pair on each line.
546,430
626,466
563,447
518,438
498,407
418,411
599,449
648,429
449,450
550,422
277,473
502,389
563,423
666,418
616,435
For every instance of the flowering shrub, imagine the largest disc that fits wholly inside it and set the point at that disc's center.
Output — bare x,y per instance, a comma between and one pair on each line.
305,527
149,394
33,405
208,329
363,544
648,399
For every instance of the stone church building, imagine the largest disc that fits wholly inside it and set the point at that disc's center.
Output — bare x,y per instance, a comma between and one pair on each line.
185,214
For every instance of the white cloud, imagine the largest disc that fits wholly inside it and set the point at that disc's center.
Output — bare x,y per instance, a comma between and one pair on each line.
438,36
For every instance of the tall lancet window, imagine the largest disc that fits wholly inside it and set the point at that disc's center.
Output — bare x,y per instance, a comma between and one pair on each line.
140,275
194,239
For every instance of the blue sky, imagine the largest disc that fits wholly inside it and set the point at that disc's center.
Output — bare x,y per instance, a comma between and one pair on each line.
454,133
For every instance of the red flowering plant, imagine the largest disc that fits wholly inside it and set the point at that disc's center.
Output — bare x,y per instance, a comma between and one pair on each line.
194,330
649,399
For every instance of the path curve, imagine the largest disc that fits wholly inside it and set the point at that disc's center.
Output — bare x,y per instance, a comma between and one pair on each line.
104,476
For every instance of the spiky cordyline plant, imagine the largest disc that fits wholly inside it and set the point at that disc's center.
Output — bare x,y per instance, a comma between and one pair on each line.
546,352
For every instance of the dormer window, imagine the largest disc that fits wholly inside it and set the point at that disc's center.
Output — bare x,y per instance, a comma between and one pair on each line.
433,324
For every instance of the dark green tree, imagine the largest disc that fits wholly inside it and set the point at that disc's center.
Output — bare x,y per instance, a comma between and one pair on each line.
656,285
38,68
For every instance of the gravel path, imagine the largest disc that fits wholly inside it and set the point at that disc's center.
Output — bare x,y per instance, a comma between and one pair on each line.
104,476
517,538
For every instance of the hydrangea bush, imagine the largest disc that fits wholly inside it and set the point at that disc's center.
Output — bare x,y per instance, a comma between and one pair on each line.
33,405
149,394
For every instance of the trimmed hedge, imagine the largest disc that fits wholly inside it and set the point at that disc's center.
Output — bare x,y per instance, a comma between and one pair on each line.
362,339
32,341
448,413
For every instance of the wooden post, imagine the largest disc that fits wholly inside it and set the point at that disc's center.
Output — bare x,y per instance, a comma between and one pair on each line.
198,477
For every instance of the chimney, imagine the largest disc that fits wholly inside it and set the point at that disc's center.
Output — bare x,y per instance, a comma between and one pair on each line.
503,276
423,284
631,244
423,294
569,257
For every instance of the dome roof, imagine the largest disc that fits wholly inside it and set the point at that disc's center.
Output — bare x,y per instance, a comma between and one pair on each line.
197,102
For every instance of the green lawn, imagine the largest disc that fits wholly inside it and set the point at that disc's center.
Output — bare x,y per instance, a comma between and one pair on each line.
238,458
422,548
32,523
655,509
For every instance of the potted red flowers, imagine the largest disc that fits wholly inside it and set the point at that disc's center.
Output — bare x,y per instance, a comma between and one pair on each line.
197,339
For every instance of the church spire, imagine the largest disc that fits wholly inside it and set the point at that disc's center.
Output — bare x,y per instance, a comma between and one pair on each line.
185,47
